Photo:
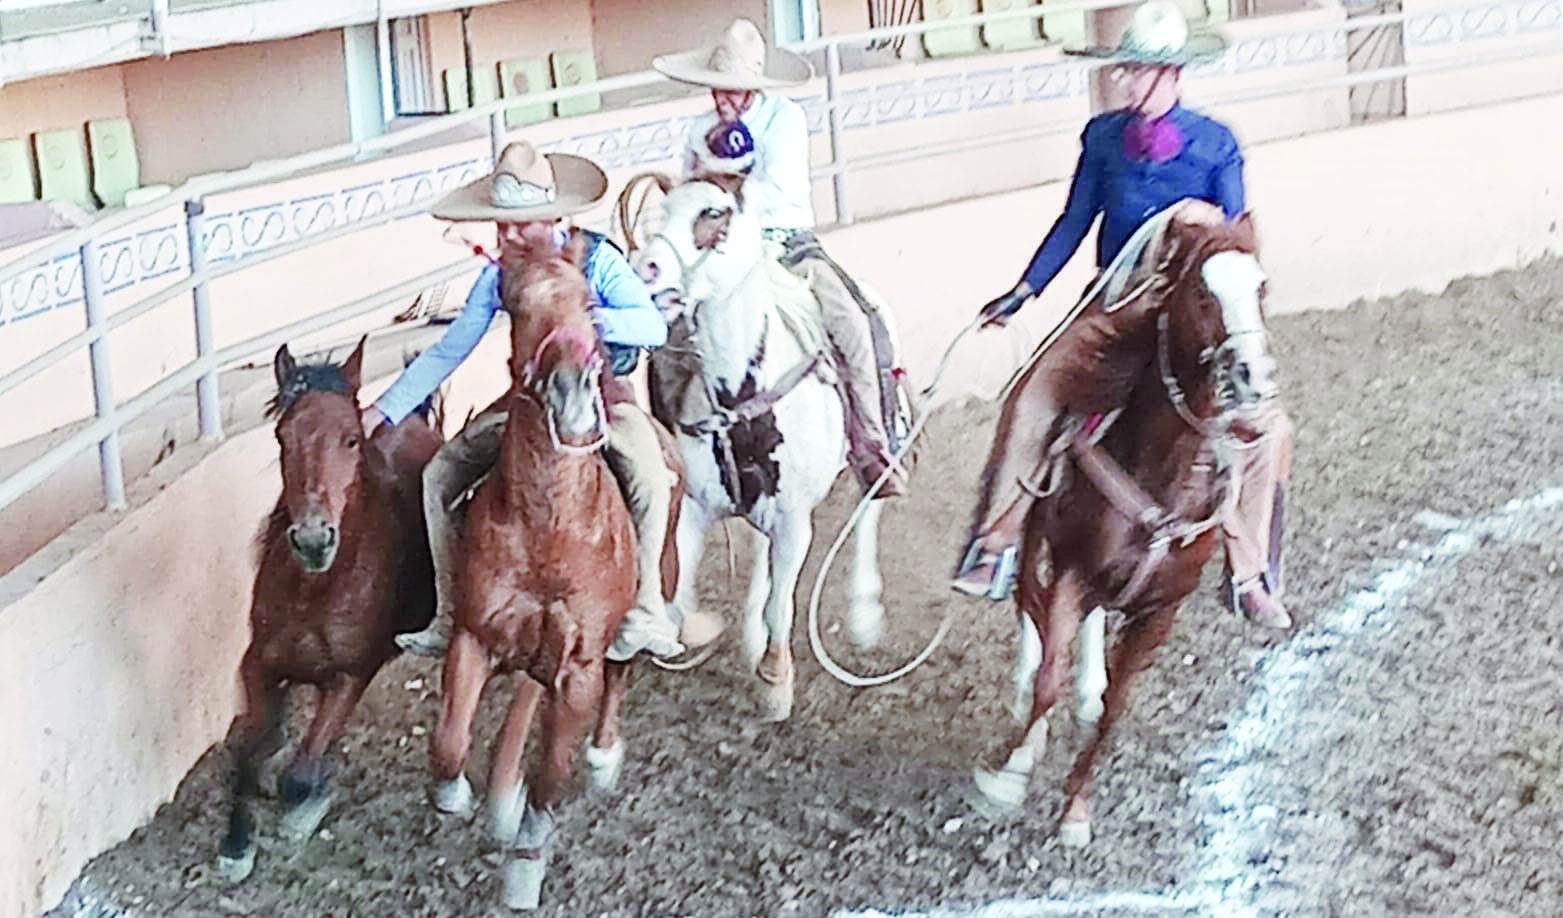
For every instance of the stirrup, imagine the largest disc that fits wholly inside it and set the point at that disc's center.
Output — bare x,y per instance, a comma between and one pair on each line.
1005,565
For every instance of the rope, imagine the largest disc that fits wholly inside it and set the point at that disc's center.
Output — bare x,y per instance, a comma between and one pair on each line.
1131,251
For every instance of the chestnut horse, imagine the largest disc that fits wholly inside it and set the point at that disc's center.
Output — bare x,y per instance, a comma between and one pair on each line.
344,567
548,574
1134,507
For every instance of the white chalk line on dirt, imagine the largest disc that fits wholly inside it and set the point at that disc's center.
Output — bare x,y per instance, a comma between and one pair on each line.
1238,824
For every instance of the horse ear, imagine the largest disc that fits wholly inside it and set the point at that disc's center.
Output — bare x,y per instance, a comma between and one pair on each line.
283,365
353,366
730,182
575,249
1247,232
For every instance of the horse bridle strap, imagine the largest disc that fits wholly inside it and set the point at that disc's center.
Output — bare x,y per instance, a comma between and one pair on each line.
1126,495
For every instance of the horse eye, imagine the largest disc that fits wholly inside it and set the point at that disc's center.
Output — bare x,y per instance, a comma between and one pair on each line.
352,441
710,213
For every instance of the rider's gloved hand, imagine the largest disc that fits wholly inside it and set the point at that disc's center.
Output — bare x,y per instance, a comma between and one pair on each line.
997,313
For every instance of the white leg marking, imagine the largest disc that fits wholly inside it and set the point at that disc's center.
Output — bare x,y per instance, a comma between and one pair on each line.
1091,672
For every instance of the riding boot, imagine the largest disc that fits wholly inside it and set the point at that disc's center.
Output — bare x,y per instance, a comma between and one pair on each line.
636,458
453,471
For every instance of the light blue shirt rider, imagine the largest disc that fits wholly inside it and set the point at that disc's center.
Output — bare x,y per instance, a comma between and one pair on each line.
622,310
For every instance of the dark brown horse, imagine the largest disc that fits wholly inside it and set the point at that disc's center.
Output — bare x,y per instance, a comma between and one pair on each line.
548,574
344,567
1134,510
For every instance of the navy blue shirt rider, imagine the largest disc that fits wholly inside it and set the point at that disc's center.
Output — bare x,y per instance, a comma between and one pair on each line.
1123,177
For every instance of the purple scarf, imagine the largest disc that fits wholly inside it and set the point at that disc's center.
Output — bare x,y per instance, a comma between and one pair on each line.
1152,140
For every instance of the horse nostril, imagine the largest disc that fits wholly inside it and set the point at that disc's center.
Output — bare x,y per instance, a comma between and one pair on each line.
649,272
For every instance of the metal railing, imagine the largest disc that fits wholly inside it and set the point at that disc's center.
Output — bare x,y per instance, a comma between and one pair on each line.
111,416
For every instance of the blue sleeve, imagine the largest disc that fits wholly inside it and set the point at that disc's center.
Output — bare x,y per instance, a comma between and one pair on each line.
1081,210
1227,180
435,365
626,317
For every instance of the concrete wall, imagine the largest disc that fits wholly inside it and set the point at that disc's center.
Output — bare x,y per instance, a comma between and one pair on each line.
227,107
630,33
506,30
54,103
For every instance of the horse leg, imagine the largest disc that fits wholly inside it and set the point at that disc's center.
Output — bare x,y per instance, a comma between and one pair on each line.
789,548
1055,612
566,716
1091,668
697,627
754,637
506,790
1140,639
257,735
866,615
1028,659
605,754
304,788
466,671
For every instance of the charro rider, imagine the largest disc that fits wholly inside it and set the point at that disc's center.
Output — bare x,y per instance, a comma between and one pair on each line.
765,137
531,198
1136,162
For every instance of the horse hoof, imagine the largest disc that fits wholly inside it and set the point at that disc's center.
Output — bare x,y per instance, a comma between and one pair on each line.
604,767
1075,833
504,815
1005,790
1089,713
776,703
300,822
236,869
866,624
524,883
454,797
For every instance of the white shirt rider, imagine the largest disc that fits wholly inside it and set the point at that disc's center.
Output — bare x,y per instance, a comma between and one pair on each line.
778,187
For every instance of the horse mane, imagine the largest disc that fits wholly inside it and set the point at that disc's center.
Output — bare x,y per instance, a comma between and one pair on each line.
306,378
533,275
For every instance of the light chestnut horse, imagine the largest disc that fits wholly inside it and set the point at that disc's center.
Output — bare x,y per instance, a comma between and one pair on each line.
548,575
1135,510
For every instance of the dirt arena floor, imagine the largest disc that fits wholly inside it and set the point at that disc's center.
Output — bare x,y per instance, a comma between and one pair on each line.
1400,752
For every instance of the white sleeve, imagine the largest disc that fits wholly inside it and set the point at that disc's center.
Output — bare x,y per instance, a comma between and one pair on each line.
781,170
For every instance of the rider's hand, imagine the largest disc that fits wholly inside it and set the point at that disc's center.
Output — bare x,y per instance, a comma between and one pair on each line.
372,417
996,313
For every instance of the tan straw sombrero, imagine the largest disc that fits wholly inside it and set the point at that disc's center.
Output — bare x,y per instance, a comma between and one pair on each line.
527,186
740,61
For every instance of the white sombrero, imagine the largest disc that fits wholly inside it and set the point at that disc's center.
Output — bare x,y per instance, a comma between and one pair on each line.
1159,34
738,61
527,186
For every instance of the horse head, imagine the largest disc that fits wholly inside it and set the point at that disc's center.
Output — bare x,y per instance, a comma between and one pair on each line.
1213,315
556,360
705,247
322,445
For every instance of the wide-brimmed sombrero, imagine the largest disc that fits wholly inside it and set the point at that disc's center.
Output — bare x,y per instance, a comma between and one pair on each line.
526,186
739,61
1159,34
